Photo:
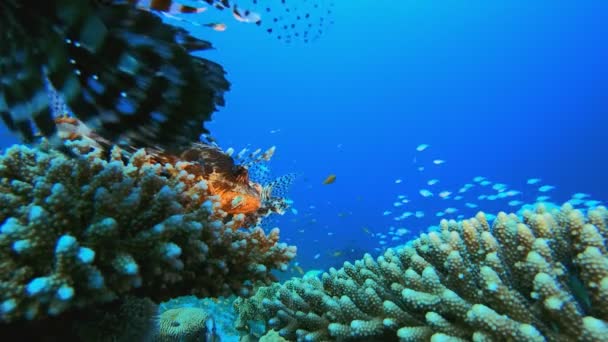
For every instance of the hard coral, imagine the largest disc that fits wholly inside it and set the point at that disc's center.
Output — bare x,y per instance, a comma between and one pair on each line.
183,325
539,277
76,232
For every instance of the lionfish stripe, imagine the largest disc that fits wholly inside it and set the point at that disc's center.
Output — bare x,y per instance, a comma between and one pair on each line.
25,103
25,129
138,94
191,43
4,113
45,121
168,91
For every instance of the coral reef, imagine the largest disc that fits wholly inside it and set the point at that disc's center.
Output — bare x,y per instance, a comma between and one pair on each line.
272,336
78,232
220,309
541,276
183,324
248,310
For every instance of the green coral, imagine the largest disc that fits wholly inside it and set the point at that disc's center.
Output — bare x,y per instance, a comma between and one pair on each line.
539,277
77,232
272,336
219,308
250,309
185,324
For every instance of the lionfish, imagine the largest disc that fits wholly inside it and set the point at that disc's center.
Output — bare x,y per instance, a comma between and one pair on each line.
227,177
127,79
286,20
121,70
231,182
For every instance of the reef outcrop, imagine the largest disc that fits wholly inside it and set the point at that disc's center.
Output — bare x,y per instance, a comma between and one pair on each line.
80,232
540,276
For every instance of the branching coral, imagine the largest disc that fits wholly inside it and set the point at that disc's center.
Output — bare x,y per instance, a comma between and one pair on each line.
76,232
541,276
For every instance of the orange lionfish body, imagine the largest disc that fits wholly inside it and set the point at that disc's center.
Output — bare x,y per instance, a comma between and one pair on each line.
245,201
226,180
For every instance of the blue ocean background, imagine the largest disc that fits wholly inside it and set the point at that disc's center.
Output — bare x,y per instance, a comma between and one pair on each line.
506,90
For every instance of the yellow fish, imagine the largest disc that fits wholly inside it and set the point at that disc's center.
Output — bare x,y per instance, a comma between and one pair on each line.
220,27
299,269
330,179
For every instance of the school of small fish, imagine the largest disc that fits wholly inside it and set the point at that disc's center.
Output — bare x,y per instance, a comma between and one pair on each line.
423,198
469,195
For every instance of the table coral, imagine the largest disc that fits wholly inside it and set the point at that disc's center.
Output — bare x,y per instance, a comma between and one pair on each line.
541,276
76,232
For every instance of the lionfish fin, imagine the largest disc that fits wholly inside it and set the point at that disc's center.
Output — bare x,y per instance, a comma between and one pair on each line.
278,187
122,71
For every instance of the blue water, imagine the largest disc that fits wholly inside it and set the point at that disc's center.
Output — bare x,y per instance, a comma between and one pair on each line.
508,90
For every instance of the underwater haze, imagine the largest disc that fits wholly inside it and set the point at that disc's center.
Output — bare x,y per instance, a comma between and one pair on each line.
508,90
388,116
513,93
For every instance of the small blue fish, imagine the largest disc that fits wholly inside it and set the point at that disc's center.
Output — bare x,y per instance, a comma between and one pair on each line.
499,187
425,193
445,194
422,147
511,193
592,203
546,188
